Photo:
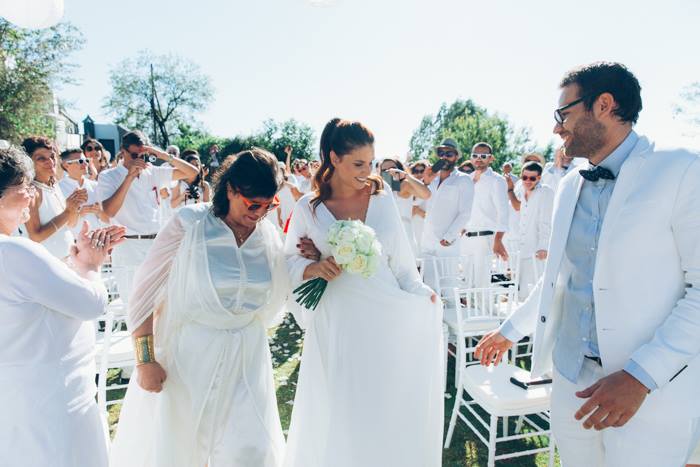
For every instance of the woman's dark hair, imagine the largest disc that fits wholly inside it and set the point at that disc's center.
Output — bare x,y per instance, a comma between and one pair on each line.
341,137
253,173
399,165
189,154
33,143
15,168
533,166
91,141
601,77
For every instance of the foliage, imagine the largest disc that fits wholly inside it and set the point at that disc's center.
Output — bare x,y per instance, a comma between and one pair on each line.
173,92
273,136
468,123
32,62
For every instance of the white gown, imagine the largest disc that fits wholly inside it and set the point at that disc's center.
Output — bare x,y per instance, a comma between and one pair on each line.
215,300
370,390
47,361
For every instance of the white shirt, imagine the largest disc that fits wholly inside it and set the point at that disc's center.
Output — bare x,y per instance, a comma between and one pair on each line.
53,203
140,213
552,175
449,208
490,211
304,185
68,186
535,221
287,203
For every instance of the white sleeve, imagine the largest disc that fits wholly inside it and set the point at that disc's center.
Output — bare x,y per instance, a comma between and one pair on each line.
298,228
151,278
544,221
464,209
163,176
400,254
105,186
502,204
36,276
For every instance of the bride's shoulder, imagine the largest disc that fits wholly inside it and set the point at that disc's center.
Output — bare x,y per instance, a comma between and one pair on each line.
305,203
192,213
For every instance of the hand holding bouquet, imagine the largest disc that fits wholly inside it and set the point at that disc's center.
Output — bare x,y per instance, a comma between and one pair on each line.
354,247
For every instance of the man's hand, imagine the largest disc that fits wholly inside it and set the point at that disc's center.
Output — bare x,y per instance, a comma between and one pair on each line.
137,166
86,209
509,183
613,400
444,242
541,254
500,250
491,348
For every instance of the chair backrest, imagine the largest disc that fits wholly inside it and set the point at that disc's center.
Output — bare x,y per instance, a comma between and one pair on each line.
449,272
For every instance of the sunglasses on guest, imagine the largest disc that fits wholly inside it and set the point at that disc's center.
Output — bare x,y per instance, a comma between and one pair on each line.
89,148
483,157
446,153
417,171
80,160
255,206
525,178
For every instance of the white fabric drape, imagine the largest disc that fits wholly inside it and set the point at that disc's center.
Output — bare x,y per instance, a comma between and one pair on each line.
370,384
214,356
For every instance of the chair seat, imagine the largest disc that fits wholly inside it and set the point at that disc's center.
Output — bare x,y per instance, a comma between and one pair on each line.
471,326
121,350
491,388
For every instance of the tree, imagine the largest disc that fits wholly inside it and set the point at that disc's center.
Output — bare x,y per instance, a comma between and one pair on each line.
157,93
32,63
467,123
689,109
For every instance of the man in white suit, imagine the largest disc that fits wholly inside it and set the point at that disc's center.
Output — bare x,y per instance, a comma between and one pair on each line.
616,315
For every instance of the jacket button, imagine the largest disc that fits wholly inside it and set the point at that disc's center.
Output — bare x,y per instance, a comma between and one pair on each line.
543,319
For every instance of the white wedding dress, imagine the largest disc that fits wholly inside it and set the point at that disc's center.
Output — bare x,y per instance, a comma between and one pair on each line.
215,300
370,389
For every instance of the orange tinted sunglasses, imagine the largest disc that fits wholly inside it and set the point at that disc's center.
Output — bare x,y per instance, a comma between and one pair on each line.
253,206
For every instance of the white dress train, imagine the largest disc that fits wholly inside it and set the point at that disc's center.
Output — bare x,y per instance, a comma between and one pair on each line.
370,390
215,299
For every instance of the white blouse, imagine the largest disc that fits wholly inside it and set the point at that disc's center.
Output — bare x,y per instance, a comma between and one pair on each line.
53,203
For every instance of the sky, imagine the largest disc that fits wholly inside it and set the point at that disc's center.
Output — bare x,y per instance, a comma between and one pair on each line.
388,63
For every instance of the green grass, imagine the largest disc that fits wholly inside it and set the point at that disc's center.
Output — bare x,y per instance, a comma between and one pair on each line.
286,340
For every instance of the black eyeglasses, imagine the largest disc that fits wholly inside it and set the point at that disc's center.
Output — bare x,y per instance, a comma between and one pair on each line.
448,153
559,117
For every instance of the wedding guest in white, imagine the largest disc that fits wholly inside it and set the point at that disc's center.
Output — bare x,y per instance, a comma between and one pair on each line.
409,189
93,151
47,337
620,330
166,209
288,195
359,382
130,196
489,219
554,171
203,392
535,227
173,150
420,206
302,172
75,167
450,203
52,214
198,191
507,170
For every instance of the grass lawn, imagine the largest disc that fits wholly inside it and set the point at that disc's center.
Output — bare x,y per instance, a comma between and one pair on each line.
466,449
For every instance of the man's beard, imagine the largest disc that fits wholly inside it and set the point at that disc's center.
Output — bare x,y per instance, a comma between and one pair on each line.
449,166
587,138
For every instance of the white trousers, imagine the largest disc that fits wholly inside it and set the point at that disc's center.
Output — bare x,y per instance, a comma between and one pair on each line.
661,441
481,250
126,258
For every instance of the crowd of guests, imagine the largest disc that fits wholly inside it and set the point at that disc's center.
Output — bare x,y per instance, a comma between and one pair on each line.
204,272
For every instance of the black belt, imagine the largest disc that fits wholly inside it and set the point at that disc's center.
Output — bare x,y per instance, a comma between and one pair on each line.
595,359
483,233
141,237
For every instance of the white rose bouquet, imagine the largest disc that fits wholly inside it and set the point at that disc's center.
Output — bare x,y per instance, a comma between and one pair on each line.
355,249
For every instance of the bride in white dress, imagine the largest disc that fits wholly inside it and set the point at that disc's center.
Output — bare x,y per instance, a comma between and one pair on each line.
216,278
370,387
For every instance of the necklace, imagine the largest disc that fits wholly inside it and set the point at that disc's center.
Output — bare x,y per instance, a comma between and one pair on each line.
241,233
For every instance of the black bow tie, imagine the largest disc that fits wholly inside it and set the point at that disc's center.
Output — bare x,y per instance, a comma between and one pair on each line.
596,174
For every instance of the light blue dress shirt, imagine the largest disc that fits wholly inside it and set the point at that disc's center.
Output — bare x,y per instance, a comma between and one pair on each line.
577,337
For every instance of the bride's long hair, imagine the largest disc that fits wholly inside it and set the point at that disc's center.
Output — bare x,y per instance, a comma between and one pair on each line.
341,137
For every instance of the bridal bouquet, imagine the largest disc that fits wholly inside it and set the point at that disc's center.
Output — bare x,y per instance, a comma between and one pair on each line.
355,248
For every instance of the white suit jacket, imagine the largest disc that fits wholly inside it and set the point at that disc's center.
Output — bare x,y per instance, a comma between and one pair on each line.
646,283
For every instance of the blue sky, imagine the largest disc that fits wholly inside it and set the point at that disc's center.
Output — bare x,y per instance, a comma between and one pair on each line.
390,62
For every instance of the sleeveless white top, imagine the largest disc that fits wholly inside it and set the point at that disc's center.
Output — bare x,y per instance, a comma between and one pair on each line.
53,203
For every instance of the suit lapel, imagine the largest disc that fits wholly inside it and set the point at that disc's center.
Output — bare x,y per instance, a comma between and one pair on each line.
626,182
563,213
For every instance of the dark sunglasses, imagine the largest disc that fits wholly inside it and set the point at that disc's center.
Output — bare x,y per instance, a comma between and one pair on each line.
253,206
93,148
417,171
525,178
448,153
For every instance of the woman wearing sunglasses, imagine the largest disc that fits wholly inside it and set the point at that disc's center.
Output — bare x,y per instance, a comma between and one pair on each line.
93,150
372,352
213,281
